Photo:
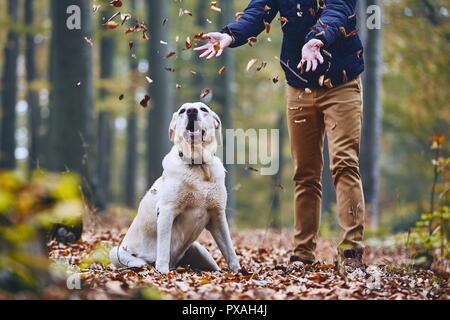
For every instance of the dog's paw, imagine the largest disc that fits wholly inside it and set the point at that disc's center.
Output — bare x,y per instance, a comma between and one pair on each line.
235,266
162,267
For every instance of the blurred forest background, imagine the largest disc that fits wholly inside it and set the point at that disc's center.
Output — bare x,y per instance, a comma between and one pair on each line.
75,101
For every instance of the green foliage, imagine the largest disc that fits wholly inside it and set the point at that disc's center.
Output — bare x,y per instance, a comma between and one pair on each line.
28,212
430,236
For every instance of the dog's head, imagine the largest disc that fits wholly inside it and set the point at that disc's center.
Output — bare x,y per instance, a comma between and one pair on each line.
196,130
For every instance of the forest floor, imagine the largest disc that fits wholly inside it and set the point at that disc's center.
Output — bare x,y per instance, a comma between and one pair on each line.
266,272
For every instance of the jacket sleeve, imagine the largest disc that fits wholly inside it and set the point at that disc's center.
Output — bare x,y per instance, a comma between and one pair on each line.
252,22
333,21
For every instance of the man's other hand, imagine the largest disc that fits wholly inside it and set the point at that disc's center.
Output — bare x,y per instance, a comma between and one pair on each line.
217,42
311,55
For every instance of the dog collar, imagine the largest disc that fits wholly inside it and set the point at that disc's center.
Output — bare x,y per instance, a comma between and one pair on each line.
187,160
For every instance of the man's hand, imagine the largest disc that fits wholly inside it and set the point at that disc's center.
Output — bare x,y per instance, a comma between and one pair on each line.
311,55
217,42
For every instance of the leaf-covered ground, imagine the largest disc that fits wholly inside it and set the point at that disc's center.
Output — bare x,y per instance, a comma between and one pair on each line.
265,274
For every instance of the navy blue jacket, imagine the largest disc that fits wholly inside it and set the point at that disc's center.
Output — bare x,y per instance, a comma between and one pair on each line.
331,21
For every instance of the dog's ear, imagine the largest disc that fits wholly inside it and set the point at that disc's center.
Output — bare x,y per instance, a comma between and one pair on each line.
218,128
172,126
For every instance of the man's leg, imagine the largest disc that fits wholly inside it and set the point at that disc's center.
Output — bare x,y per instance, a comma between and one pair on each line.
342,108
306,130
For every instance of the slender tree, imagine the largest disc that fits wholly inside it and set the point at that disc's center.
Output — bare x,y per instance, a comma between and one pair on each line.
278,177
161,91
371,134
105,134
9,92
226,99
132,134
72,88
34,118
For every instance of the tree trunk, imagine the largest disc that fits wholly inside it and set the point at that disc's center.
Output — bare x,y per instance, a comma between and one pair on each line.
371,133
199,79
72,92
9,93
105,134
34,117
132,137
161,91
278,177
226,99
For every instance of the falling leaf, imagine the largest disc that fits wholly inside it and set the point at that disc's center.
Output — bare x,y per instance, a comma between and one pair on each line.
283,21
312,12
262,66
121,97
251,169
130,45
251,41
116,3
214,7
321,79
275,79
111,25
188,43
222,70
95,8
250,64
144,102
322,24
199,36
266,8
149,80
267,26
328,54
344,76
170,54
125,17
169,69
328,83
89,41
205,92
178,86
164,21
238,16
193,72
308,90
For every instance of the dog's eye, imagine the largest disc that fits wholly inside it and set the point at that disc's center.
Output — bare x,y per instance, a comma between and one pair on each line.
182,111
204,109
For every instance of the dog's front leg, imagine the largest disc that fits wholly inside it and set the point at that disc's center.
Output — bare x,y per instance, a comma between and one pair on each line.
218,227
163,238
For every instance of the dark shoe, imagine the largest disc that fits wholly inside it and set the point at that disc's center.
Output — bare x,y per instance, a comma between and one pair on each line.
352,258
295,258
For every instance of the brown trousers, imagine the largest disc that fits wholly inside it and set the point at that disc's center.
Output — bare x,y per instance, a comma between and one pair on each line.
338,113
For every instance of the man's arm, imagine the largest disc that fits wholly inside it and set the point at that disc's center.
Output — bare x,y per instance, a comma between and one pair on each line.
334,17
252,22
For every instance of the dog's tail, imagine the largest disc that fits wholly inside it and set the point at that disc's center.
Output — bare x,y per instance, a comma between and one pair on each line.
122,258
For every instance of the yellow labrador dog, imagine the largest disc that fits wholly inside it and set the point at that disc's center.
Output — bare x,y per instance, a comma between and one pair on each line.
189,197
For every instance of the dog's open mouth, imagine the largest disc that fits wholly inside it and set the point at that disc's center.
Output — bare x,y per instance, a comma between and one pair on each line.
193,133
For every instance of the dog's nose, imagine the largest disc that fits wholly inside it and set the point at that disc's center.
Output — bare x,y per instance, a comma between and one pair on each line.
191,112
